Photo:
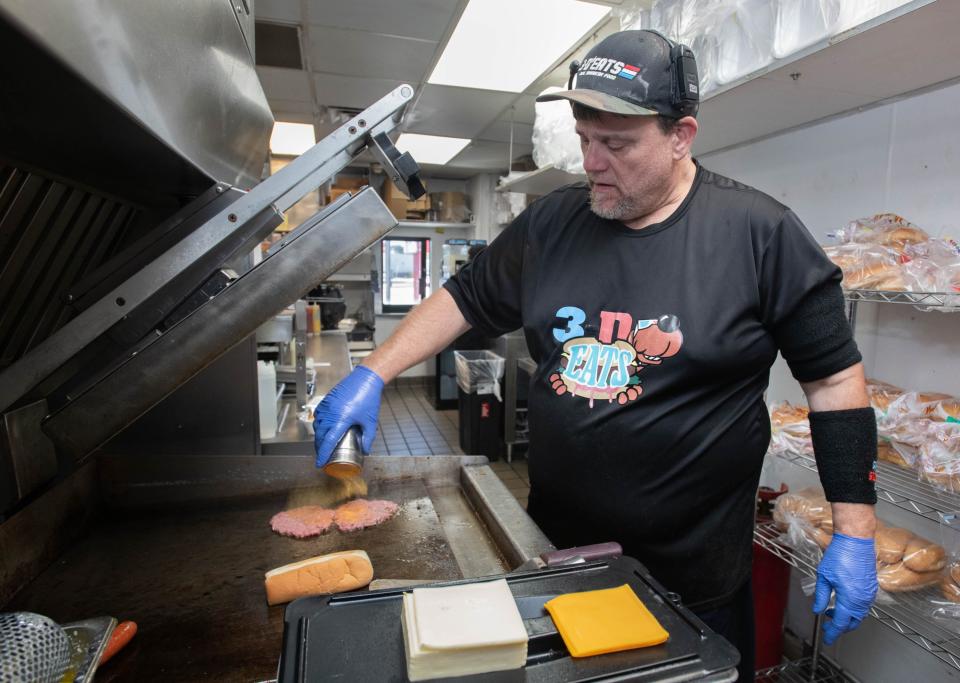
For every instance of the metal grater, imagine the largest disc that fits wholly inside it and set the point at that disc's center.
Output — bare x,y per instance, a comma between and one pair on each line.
33,649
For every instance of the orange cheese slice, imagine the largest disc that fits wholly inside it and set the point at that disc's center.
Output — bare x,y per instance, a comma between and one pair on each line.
609,620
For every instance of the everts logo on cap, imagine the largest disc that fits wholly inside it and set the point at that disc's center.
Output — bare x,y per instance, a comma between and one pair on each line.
608,68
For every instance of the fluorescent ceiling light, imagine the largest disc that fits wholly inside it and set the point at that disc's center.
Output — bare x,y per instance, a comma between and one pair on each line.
507,44
431,149
291,138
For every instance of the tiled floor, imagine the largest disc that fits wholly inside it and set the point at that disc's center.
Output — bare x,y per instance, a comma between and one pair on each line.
410,425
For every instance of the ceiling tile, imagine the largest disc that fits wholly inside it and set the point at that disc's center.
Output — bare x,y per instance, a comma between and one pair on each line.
284,84
346,91
456,112
293,111
524,111
561,73
499,131
426,19
557,78
287,11
369,55
492,156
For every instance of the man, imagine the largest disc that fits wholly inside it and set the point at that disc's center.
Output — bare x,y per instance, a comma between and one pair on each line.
654,299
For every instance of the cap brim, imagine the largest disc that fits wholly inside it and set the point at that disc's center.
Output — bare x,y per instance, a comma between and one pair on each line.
599,101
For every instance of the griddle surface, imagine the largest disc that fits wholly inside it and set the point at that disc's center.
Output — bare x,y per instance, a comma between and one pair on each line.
193,580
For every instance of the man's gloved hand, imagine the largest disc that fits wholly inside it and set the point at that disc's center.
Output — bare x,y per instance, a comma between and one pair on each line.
849,567
354,401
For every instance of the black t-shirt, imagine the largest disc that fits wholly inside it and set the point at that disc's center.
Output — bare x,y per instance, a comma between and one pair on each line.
653,350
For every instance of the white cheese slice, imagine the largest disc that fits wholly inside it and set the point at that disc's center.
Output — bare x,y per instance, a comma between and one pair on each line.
467,616
478,631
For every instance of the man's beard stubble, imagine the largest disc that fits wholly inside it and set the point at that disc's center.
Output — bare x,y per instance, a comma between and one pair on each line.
624,209
627,207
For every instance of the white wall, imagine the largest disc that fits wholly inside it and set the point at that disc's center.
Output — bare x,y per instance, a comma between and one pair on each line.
902,157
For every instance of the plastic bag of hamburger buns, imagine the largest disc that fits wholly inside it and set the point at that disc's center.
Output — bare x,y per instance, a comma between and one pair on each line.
933,266
922,562
940,455
906,562
885,229
790,429
907,418
882,394
946,604
806,520
868,266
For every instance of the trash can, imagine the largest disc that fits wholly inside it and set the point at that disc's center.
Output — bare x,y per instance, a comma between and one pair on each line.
480,402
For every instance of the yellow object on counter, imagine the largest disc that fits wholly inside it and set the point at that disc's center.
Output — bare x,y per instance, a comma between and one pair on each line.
610,620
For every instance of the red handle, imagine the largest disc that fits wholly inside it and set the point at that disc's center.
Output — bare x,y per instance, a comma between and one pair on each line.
121,635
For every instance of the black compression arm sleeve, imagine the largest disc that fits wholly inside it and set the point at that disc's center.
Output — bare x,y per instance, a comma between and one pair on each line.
845,446
816,339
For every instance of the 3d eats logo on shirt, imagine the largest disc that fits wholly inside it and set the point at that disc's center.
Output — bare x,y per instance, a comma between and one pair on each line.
607,366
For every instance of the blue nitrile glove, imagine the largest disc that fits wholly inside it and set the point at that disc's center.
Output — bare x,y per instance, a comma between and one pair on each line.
849,567
354,401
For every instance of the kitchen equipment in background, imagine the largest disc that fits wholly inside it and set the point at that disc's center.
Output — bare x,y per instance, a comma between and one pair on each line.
268,398
518,371
449,207
455,255
445,374
333,307
480,402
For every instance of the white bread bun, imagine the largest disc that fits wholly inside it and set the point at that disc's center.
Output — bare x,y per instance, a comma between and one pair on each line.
333,573
896,578
921,555
891,542
949,589
887,453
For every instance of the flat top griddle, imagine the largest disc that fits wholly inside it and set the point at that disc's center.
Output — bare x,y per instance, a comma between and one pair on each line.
192,579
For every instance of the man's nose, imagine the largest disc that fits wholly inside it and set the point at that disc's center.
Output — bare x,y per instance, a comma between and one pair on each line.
594,159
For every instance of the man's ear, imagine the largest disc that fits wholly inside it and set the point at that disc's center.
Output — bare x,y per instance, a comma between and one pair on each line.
684,133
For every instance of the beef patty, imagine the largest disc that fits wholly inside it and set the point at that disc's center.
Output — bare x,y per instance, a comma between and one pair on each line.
303,522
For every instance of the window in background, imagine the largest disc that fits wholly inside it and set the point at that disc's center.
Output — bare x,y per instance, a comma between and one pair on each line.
405,275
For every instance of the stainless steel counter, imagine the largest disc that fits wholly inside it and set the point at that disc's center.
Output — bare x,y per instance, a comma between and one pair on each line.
331,360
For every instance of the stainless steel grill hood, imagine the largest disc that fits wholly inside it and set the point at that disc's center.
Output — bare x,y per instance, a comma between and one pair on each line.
124,79
132,138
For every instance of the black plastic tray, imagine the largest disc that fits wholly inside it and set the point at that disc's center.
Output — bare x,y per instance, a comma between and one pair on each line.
357,637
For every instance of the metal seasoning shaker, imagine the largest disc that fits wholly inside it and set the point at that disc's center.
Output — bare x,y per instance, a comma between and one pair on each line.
347,458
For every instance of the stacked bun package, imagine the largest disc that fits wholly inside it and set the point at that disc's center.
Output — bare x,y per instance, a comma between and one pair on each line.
889,253
905,561
917,430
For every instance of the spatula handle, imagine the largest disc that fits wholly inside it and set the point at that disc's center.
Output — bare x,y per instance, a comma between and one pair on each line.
588,553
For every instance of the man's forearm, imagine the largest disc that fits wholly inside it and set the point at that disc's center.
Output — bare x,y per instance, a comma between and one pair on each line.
427,329
843,391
